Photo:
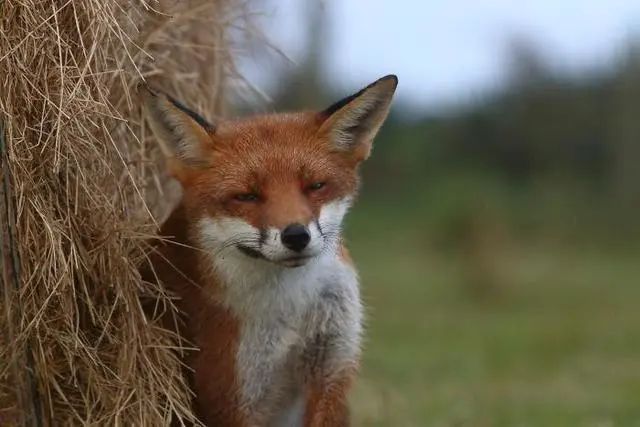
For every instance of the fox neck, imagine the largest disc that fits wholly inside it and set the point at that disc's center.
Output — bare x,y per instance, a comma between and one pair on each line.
251,287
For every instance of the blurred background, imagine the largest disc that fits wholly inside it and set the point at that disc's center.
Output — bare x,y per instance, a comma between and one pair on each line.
498,229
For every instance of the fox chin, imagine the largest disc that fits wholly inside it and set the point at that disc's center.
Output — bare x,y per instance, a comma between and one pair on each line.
254,253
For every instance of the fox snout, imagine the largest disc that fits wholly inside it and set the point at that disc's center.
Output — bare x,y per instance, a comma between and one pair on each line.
295,237
292,245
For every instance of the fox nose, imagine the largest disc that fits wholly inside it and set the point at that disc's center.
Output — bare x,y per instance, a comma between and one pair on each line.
295,237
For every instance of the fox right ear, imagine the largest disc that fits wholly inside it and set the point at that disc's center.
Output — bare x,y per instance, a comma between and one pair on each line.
352,123
182,134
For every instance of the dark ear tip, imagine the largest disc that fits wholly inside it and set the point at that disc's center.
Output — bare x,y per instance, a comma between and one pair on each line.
390,77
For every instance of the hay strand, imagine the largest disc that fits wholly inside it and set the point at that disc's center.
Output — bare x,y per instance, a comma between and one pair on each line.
22,373
81,193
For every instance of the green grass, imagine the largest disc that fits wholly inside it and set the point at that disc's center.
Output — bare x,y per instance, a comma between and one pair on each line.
510,333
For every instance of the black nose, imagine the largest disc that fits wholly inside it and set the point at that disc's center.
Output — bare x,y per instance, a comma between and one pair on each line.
295,237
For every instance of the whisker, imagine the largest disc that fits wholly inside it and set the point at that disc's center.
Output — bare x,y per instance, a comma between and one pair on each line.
246,239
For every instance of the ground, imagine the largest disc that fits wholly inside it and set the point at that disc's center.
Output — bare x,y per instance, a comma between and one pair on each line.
549,335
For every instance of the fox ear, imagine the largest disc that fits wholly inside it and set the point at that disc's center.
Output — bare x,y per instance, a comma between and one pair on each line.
182,134
352,123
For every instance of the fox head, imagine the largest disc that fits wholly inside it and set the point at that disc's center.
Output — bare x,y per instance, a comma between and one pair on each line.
273,187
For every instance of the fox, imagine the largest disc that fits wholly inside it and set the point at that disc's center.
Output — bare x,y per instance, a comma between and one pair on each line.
268,293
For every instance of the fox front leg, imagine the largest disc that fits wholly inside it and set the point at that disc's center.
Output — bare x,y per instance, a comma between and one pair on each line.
331,356
326,398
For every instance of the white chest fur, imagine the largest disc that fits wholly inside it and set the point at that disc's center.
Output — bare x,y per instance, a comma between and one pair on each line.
282,311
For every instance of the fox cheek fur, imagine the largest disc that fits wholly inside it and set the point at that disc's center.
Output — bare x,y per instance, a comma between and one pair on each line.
254,253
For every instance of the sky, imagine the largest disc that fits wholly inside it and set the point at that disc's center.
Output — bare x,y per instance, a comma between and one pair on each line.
445,51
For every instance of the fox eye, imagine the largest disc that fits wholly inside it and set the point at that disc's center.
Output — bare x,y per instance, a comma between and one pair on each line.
316,186
246,197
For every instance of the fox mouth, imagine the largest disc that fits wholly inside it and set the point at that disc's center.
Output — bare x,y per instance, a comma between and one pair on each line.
293,261
250,252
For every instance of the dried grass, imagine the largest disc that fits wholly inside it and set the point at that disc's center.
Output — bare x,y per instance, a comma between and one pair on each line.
82,186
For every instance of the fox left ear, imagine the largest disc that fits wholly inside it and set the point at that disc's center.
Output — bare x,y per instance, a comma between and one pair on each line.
352,123
183,135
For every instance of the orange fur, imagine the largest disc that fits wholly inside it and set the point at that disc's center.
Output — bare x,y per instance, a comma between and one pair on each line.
205,322
272,149
327,404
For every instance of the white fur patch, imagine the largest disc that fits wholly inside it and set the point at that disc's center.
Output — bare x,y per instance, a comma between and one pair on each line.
283,311
333,213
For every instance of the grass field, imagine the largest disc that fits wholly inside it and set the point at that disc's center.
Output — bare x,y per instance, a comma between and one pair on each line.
534,333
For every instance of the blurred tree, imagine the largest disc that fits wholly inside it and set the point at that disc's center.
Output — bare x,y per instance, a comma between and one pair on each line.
625,135
527,65
304,85
546,128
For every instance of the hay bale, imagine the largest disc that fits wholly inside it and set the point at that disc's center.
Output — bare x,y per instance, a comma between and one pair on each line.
80,195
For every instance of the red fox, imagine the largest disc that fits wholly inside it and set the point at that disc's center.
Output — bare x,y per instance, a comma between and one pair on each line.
254,253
